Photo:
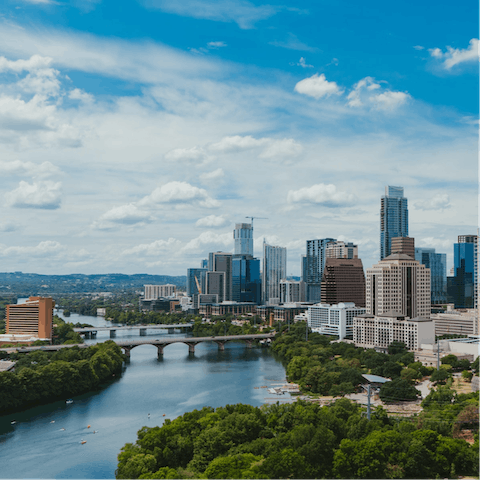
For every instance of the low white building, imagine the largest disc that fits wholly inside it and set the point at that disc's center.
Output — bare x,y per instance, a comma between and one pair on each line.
333,319
379,331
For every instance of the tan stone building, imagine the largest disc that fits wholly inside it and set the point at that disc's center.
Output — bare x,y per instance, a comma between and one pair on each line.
34,317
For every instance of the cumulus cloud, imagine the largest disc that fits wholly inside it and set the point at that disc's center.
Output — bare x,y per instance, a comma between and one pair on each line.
286,147
81,95
48,247
302,63
211,176
237,143
368,93
212,221
126,214
440,201
16,167
194,154
209,242
456,56
320,194
43,194
35,62
179,193
317,86
158,247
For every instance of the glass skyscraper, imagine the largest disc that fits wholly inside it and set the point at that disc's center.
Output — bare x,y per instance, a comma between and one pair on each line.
274,270
243,236
464,282
192,287
437,263
315,263
393,218
246,282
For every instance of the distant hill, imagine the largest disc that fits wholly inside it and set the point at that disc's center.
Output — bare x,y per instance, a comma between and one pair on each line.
35,284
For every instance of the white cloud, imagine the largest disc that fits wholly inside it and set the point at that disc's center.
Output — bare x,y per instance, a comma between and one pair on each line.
216,44
287,147
35,62
212,221
78,94
418,47
241,12
44,195
317,87
179,193
209,242
320,194
194,154
456,56
362,96
237,143
16,167
302,63
125,214
211,176
440,201
48,247
158,247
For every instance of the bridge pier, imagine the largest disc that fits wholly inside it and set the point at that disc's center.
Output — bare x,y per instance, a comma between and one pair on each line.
126,351
87,335
191,347
171,330
143,332
249,343
221,346
113,333
160,351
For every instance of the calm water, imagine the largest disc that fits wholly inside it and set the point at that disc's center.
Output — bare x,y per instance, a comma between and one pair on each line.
37,448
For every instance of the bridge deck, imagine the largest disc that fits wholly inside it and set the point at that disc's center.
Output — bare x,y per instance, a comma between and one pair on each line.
132,327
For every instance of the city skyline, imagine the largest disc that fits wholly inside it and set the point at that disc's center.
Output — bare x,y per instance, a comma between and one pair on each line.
132,140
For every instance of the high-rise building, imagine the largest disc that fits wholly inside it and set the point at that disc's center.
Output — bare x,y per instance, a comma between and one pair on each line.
274,270
221,262
292,291
398,284
393,218
405,245
340,249
246,281
315,263
437,263
195,279
204,263
243,235
464,283
303,268
343,281
33,317
215,285
154,292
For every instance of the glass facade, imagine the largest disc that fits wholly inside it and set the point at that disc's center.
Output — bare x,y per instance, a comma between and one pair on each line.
437,263
462,287
274,270
246,282
393,218
243,236
192,288
315,263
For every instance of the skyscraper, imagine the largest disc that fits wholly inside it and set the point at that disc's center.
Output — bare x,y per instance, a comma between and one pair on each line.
437,263
243,235
246,281
315,263
393,218
220,262
399,285
274,270
463,285
195,279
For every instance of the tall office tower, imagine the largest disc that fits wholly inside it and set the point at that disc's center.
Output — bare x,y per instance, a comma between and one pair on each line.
204,263
340,249
405,245
33,317
215,285
464,283
343,281
246,280
314,269
243,235
154,292
274,270
437,263
303,268
399,285
195,279
221,262
292,291
393,218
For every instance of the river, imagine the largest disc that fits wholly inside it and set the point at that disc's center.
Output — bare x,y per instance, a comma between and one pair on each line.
45,441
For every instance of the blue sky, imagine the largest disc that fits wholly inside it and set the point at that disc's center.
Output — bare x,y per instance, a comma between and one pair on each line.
133,135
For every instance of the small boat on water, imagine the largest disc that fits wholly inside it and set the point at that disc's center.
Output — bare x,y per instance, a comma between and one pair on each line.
53,421
69,401
83,441
13,422
88,426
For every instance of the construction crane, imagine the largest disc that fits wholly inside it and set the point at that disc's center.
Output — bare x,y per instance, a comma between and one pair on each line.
263,218
198,285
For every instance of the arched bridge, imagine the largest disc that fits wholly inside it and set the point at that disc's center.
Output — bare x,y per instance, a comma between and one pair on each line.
91,332
127,345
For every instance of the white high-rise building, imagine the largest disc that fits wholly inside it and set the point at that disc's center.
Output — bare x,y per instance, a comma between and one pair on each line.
154,292
243,235
400,285
292,291
274,270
